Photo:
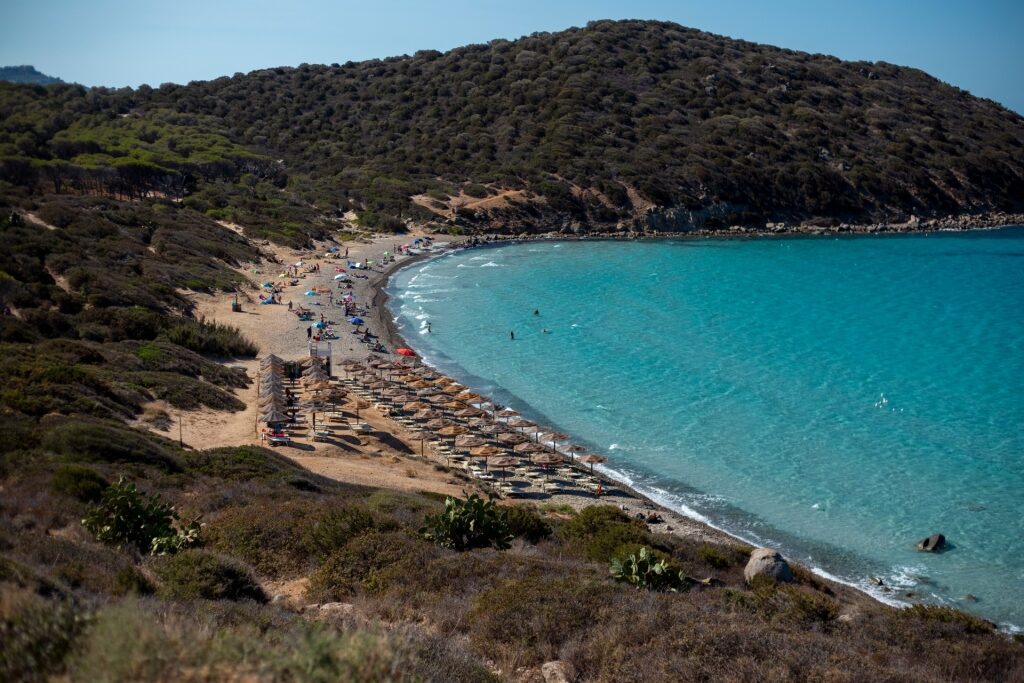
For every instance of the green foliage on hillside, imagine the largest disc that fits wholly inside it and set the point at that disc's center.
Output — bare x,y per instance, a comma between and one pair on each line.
74,607
598,124
110,211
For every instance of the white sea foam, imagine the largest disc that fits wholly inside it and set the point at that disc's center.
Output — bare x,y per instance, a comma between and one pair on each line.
492,264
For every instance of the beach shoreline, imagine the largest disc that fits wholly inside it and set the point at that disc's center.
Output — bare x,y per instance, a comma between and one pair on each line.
862,582
380,319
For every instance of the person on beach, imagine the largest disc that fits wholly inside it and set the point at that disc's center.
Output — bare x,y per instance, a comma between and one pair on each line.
289,305
309,332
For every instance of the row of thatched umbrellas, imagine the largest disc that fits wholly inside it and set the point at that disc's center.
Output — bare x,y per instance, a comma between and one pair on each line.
450,411
273,398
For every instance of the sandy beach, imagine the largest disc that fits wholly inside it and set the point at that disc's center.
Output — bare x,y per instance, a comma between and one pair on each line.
386,456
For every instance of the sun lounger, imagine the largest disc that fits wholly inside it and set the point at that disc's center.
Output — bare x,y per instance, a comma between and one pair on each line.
279,440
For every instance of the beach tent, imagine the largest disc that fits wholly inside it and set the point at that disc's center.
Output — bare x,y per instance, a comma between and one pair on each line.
320,325
340,276
310,293
355,320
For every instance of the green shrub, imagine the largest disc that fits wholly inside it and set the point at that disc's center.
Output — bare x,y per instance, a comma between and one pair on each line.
467,524
94,441
786,603
201,574
130,581
36,636
210,338
369,562
78,482
527,523
718,557
601,532
332,530
127,517
531,618
968,623
269,536
238,463
476,190
645,570
808,608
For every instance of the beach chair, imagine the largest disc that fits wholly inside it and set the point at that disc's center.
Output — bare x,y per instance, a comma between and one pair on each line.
279,440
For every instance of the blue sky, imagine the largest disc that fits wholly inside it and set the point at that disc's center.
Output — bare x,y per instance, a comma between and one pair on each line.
977,45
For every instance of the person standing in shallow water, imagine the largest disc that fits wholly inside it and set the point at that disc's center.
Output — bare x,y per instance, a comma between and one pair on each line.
512,335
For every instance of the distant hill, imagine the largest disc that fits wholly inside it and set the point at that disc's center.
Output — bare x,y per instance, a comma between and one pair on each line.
620,125
26,74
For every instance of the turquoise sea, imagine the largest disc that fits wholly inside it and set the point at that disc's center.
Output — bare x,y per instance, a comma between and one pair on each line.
836,398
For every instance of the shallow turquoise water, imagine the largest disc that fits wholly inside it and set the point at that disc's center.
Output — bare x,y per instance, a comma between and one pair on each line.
837,398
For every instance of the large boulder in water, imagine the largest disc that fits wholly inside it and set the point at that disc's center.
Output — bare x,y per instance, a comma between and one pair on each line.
767,562
933,544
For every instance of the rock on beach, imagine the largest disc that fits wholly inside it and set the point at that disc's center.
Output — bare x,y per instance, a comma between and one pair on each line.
767,562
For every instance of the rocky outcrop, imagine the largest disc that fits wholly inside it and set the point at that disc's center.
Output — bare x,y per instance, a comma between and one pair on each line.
558,672
767,562
935,543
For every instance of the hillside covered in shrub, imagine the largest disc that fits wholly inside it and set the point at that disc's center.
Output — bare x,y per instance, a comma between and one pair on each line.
125,558
631,124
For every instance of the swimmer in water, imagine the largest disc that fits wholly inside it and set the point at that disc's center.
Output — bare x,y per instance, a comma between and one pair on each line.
536,311
428,328
546,331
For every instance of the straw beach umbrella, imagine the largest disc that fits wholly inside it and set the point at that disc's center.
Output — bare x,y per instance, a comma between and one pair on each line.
360,404
552,438
421,436
495,428
573,449
273,416
501,461
547,460
468,441
513,438
529,448
507,412
591,460
486,451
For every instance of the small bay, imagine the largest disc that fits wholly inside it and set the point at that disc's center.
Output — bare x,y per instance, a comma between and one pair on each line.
838,398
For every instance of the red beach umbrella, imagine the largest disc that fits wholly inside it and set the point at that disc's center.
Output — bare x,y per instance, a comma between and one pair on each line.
405,352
